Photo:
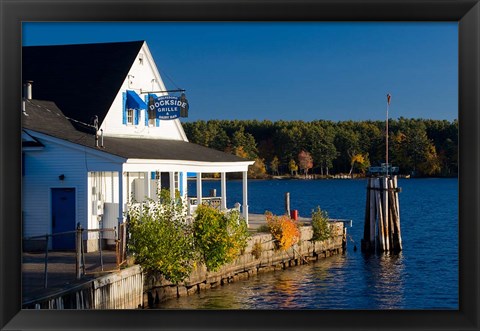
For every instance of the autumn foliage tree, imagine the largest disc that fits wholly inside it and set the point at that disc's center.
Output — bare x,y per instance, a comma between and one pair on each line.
360,162
293,167
416,146
274,165
305,161
257,169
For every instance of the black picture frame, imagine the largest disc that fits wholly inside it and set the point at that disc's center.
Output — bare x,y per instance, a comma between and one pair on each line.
466,13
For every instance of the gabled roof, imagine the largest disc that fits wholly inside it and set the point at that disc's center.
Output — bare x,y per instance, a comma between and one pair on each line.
82,80
45,117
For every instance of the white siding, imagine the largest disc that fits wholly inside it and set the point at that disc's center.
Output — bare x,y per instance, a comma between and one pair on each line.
106,192
141,77
42,171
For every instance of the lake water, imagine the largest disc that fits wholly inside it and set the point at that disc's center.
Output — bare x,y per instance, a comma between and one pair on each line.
423,276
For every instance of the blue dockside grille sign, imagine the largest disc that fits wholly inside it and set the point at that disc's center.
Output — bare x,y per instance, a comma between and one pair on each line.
169,107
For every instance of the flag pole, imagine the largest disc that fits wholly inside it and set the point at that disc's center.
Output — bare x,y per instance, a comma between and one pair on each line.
386,133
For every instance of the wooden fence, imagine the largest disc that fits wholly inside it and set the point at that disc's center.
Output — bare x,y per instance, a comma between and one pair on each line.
118,290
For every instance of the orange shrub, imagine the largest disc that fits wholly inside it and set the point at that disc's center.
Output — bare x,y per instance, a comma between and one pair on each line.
284,230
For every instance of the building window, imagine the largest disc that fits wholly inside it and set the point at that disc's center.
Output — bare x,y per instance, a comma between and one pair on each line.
140,59
130,116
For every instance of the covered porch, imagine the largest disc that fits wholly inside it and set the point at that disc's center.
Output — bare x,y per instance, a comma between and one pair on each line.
160,174
136,180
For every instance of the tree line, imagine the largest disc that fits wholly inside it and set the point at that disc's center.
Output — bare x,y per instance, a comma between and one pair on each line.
419,147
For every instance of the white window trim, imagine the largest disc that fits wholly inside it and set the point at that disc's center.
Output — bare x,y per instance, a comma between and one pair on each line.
132,112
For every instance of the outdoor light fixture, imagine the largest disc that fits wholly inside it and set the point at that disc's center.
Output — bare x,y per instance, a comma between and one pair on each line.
61,177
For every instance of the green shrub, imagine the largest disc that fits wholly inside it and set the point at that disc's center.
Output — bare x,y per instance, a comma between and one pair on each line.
257,250
263,228
321,228
219,237
161,239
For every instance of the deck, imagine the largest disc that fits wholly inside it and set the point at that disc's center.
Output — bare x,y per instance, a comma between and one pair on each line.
61,271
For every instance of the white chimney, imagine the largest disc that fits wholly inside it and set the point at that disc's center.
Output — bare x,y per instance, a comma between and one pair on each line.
24,109
27,90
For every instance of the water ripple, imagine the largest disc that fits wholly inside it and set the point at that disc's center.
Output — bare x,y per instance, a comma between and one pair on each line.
423,276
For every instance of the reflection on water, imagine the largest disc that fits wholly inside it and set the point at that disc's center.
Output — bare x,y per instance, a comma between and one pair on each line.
385,280
337,282
423,276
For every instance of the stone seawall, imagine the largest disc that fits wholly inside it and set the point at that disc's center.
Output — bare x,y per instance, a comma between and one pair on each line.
260,256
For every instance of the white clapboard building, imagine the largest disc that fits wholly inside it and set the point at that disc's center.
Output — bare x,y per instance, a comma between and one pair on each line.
91,143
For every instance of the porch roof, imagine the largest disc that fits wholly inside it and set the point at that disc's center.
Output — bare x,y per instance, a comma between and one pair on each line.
46,118
165,150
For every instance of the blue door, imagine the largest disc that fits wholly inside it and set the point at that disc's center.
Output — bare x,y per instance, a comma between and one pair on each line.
63,218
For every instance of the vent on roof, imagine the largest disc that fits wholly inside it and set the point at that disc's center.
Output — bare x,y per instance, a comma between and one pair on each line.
27,90
24,107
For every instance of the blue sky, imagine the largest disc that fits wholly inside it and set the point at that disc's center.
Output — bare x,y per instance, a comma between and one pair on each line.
303,70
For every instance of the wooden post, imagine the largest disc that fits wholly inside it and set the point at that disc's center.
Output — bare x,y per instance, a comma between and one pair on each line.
287,203
118,248
124,230
78,248
45,274
366,226
372,214
367,238
391,200
397,220
381,230
391,215
82,253
385,213
100,245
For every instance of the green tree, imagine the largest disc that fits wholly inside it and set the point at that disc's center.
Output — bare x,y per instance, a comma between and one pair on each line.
320,225
219,237
320,137
245,140
332,145
430,164
257,170
292,166
448,157
219,138
413,151
361,162
274,165
347,144
160,238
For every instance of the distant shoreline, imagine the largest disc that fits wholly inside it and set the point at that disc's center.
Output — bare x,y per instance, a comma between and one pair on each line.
316,177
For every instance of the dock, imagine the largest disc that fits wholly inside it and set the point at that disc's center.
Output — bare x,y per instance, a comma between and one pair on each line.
61,271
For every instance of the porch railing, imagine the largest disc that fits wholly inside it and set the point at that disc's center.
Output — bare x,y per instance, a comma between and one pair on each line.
215,202
78,256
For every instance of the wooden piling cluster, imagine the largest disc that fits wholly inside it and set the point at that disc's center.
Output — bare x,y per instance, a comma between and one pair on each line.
381,231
